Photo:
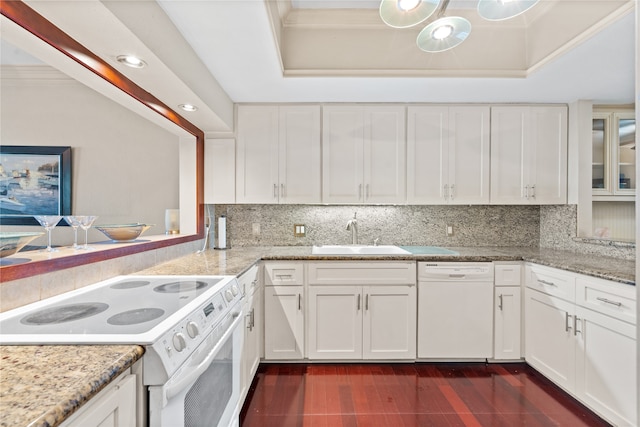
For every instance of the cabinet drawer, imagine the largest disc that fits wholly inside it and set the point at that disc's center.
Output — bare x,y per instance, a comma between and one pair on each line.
286,273
551,281
362,273
607,297
249,281
507,274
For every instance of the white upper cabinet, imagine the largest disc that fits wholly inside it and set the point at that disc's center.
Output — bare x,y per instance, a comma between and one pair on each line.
219,171
448,154
278,154
529,155
363,154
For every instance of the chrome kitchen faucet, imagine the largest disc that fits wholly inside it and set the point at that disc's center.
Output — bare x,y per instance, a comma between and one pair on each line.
352,225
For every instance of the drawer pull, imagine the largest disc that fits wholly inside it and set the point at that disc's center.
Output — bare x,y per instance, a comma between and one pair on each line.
608,301
299,302
457,276
359,302
284,276
366,302
575,325
546,282
566,321
500,303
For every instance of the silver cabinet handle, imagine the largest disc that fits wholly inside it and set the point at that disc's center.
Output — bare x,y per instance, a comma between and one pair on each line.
457,276
299,302
452,192
533,191
608,301
253,318
282,193
566,321
545,282
275,191
366,302
526,191
248,316
284,276
575,325
359,302
500,303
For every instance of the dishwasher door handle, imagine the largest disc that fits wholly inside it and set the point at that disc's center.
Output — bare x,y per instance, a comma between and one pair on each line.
457,276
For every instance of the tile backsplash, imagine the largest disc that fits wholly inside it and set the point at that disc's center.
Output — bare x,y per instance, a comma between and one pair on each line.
273,225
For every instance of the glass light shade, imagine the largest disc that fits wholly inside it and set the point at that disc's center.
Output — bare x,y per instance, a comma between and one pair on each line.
431,37
498,10
396,17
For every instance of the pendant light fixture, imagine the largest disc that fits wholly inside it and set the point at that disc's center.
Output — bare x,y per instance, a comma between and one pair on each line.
498,10
406,13
445,33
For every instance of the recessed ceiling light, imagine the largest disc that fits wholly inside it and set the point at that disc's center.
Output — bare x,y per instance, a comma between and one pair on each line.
188,107
131,61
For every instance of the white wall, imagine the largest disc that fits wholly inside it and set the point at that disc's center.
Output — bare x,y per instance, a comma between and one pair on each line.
125,169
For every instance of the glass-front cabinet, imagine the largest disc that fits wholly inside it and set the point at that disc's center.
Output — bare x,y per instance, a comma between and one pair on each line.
614,145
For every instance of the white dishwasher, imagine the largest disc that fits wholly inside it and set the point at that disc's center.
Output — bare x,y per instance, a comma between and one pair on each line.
455,310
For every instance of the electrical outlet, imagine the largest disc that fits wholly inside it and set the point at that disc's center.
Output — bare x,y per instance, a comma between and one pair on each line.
256,229
299,230
449,230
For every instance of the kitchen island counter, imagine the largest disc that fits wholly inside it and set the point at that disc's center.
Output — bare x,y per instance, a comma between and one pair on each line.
42,385
237,260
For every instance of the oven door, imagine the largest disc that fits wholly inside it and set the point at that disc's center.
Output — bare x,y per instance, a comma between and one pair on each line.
205,391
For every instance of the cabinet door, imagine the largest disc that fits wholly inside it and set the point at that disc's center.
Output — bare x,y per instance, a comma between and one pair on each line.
384,154
606,366
549,344
251,346
299,158
219,171
469,155
427,154
335,322
508,150
342,159
115,407
389,322
507,323
283,322
257,155
547,156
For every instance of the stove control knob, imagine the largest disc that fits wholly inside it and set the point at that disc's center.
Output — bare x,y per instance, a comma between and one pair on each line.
192,329
235,290
228,295
179,343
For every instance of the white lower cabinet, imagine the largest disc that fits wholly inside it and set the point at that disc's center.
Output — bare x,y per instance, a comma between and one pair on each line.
283,322
507,323
362,310
115,406
284,297
585,341
356,322
250,285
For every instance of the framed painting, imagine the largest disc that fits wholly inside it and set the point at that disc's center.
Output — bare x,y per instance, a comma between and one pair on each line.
34,180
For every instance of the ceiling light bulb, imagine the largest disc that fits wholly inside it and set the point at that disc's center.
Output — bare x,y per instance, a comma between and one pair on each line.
188,107
131,61
408,5
442,32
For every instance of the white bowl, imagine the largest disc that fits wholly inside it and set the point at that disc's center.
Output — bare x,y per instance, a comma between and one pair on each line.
123,232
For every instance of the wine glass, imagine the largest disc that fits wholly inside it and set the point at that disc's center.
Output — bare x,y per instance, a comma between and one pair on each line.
85,223
48,222
74,222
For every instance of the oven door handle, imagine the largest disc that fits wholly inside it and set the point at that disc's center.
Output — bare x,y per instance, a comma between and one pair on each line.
174,389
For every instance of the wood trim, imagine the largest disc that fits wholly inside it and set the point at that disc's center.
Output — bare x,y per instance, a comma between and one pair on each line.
20,13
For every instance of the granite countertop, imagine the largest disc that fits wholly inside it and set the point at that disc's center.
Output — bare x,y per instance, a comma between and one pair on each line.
237,260
43,385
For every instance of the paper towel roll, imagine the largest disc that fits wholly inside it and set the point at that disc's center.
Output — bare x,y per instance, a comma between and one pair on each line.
222,232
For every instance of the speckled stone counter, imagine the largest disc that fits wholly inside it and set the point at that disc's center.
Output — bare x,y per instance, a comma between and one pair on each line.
237,260
43,385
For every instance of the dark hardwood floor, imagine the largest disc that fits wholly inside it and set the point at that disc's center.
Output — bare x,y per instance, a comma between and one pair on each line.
407,395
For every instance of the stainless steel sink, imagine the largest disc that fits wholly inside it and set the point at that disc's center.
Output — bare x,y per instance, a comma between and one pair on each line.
358,250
